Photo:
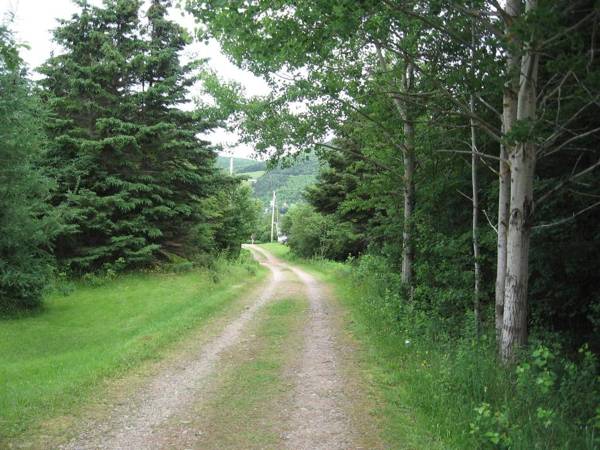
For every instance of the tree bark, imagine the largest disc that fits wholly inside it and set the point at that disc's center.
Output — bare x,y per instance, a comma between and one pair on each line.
514,327
409,179
509,114
503,209
475,223
408,155
522,161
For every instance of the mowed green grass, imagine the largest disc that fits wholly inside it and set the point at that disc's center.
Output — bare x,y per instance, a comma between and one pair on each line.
280,251
51,361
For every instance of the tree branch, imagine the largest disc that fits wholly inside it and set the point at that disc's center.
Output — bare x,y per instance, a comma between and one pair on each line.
489,221
568,30
469,152
566,219
574,138
568,180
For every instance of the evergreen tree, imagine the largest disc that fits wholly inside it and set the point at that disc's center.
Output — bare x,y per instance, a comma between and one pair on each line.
178,166
129,166
26,226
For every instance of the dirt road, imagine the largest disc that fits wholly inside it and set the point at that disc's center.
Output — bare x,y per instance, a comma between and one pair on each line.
192,401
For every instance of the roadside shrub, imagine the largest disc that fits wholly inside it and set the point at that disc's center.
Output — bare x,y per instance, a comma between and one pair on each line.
548,400
308,231
315,235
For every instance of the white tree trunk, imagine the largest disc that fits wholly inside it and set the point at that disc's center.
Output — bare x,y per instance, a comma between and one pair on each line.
503,204
475,198
408,155
509,115
475,194
522,161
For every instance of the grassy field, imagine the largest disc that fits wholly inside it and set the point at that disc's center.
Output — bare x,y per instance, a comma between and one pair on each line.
51,361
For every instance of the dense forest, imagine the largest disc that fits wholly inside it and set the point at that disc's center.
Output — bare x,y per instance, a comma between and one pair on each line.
457,145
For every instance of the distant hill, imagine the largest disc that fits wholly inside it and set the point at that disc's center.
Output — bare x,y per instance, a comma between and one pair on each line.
289,182
241,165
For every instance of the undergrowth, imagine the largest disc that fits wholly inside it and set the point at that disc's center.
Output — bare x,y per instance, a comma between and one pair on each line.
451,382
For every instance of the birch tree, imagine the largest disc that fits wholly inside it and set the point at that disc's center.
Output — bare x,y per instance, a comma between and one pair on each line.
522,34
526,134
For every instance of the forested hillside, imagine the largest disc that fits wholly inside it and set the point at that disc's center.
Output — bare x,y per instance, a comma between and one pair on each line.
288,179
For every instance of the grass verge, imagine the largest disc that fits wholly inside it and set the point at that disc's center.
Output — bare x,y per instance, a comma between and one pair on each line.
52,361
450,392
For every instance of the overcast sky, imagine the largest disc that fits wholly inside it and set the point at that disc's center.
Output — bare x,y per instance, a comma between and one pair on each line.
34,20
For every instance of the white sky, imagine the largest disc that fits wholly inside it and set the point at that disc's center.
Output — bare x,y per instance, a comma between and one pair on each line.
34,20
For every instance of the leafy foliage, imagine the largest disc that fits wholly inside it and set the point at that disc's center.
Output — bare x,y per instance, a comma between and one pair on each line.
345,75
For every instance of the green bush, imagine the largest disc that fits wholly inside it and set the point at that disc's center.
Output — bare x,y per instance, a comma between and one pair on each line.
453,379
307,231
312,234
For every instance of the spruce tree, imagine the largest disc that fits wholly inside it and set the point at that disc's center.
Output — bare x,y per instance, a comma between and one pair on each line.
26,225
177,165
129,166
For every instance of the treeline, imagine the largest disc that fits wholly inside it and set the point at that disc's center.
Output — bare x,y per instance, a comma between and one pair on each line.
102,167
465,160
466,131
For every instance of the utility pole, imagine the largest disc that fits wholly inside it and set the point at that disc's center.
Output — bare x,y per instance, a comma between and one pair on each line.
231,166
273,217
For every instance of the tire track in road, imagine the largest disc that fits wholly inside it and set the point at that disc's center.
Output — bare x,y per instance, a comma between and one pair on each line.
315,414
133,424
318,418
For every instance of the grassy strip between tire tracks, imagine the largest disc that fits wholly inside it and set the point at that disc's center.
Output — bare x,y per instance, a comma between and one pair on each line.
246,410
52,361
